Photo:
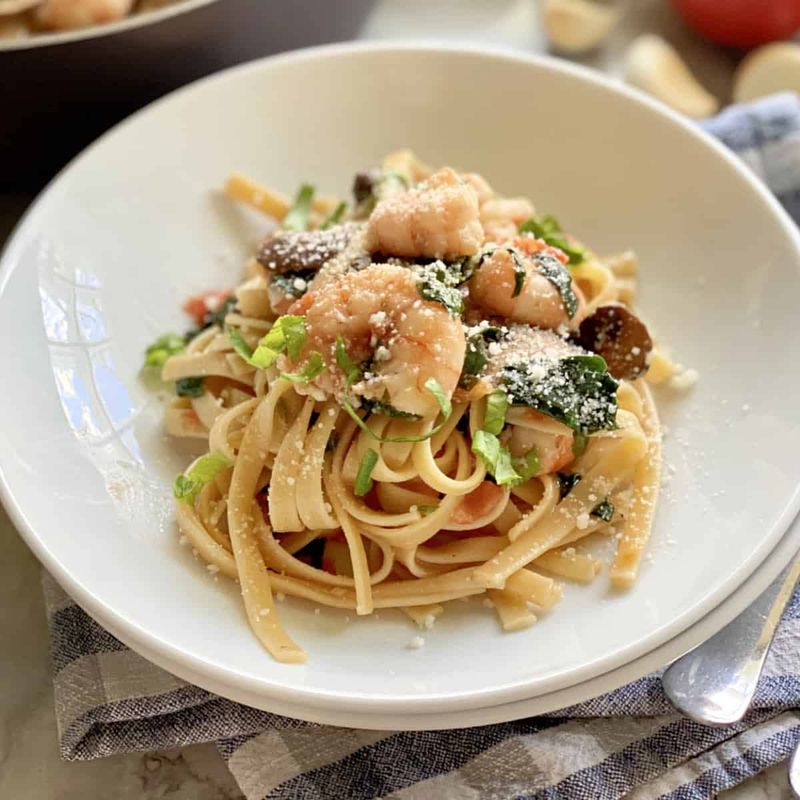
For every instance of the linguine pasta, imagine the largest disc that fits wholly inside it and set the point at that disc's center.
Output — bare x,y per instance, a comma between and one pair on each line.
431,395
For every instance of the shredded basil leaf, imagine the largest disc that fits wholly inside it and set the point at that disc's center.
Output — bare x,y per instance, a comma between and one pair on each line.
475,358
580,442
549,230
288,334
439,394
501,465
433,386
519,276
552,269
218,317
577,390
604,510
528,465
439,283
388,410
190,387
487,446
204,470
425,510
476,261
346,364
296,218
567,481
288,282
335,217
240,345
313,367
364,476
164,347
496,407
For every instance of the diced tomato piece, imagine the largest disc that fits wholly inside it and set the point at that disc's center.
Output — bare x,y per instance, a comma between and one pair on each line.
200,305
529,245
478,503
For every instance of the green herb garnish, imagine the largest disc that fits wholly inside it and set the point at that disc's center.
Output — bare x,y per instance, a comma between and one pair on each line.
505,469
604,510
296,218
240,345
204,470
223,309
388,410
577,390
288,282
164,347
190,387
567,481
520,273
439,283
288,334
475,358
580,442
313,367
552,269
445,407
549,230
364,477
351,369
335,217
496,407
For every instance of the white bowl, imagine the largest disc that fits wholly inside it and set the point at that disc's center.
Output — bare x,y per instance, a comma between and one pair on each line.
99,265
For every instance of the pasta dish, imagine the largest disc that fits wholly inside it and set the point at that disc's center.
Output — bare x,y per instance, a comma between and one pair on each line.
428,394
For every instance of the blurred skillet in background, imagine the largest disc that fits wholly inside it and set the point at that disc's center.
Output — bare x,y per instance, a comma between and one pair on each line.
60,90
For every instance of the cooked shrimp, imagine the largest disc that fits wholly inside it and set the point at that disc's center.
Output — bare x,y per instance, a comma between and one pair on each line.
502,216
539,302
438,218
480,185
61,15
381,317
551,440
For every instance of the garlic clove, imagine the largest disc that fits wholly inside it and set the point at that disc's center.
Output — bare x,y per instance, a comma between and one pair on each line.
772,68
655,66
575,26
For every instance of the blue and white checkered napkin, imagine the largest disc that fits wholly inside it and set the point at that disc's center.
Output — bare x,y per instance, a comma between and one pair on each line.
623,744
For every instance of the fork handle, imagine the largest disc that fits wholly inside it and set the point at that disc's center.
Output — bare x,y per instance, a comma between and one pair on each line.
714,684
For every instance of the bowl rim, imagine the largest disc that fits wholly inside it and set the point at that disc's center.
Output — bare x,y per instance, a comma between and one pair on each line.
130,22
191,666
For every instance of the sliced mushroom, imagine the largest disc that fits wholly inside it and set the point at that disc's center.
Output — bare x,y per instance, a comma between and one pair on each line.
620,337
364,185
772,68
655,66
576,26
290,251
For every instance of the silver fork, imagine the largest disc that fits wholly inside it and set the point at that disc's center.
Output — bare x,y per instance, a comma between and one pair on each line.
714,684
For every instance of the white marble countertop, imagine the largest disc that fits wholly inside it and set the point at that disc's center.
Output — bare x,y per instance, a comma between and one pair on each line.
30,766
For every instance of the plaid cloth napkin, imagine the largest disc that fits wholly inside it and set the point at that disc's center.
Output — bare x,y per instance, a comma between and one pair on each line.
625,743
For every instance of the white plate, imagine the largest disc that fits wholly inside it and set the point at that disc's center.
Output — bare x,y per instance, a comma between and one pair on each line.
546,703
100,263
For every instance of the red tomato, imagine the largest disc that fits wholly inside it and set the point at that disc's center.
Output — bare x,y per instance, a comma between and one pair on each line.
741,23
200,304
